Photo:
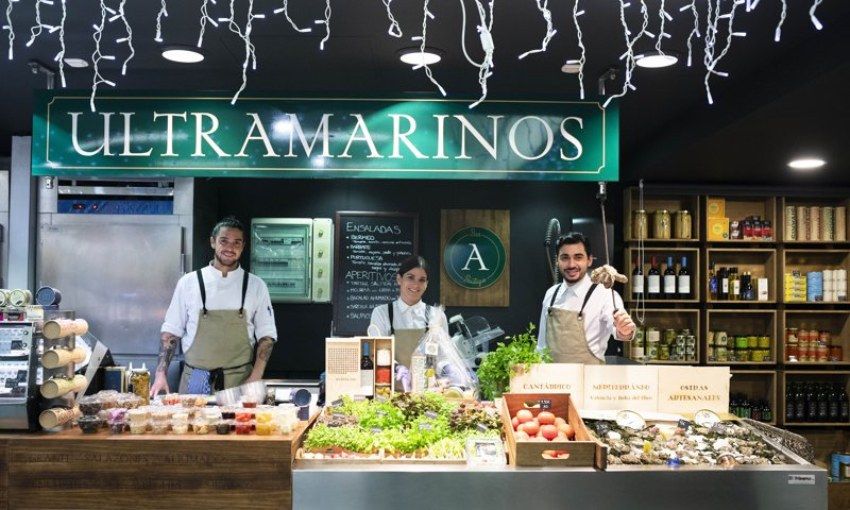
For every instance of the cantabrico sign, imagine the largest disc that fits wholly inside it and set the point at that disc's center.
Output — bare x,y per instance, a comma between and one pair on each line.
154,135
474,258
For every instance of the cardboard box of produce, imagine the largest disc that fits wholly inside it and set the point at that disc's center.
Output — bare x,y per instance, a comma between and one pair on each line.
556,438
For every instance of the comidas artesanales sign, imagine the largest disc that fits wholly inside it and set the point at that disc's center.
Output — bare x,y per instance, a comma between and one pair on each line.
204,135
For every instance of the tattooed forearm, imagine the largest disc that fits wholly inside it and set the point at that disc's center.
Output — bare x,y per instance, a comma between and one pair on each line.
264,351
166,351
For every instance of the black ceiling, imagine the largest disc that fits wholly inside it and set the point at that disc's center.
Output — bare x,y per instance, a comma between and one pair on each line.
781,99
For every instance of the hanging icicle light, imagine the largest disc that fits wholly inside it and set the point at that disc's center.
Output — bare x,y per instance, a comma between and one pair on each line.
395,28
285,11
327,23
163,12
97,56
583,59
426,15
543,7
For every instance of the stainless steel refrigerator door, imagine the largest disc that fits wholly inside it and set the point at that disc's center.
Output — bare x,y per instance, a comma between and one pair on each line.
119,277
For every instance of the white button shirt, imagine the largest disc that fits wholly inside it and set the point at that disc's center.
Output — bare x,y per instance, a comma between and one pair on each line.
598,313
405,317
223,293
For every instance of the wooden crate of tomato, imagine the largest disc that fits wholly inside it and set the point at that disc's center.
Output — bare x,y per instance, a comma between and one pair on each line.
545,429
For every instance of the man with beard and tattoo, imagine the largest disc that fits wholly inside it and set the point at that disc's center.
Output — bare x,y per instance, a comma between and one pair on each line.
577,322
218,313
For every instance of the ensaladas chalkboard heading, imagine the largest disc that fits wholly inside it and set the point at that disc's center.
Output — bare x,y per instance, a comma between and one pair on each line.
370,247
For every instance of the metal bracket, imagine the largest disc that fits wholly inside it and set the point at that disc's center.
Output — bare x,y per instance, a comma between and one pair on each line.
610,74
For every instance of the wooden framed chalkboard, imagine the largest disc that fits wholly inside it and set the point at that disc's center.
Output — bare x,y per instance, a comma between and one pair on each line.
370,246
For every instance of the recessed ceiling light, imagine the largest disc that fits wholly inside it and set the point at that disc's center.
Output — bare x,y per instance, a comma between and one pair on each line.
806,163
417,57
655,60
182,55
571,67
77,63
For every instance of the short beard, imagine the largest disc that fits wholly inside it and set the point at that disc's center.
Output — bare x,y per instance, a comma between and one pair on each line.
578,278
230,266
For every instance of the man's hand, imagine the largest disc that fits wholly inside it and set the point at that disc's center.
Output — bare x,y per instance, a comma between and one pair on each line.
264,352
160,382
624,325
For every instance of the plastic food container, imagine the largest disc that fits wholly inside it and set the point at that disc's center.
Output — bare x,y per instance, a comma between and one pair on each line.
244,416
89,424
117,414
243,428
108,398
211,414
264,416
264,429
138,416
194,400
180,428
160,427
171,399
228,413
117,426
90,405
201,427
180,418
138,427
249,401
222,427
160,415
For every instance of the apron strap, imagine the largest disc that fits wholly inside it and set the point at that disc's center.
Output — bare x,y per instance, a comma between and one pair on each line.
244,291
203,290
555,295
427,313
390,314
586,299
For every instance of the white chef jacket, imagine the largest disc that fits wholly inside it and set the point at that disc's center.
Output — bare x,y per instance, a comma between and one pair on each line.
405,317
223,293
598,313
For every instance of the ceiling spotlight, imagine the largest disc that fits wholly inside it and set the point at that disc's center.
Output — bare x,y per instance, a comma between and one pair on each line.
806,163
182,55
417,57
571,67
655,60
76,63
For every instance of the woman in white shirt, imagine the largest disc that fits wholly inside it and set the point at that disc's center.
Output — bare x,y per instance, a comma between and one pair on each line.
408,312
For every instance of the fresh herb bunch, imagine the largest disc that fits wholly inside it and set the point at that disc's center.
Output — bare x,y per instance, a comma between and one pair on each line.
469,415
494,374
382,415
415,405
353,439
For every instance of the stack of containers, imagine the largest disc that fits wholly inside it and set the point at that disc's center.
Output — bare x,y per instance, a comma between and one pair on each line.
814,286
795,287
815,223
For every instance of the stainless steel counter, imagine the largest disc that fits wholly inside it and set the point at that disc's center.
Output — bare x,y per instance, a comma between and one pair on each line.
361,486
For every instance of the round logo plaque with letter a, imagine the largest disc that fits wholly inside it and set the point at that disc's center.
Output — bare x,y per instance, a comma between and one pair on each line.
474,258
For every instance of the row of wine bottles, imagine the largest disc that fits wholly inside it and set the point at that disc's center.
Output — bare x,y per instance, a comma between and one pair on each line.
667,282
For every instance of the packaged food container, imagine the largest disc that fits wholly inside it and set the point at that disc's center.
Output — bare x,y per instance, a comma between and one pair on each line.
661,224
683,226
108,398
138,416
89,424
129,401
160,414
194,400
181,428
222,427
249,401
244,416
264,429
160,427
117,426
211,414
201,427
180,417
243,428
170,399
90,405
228,413
264,416
138,427
117,414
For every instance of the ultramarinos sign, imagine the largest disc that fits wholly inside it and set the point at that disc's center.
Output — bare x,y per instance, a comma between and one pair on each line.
194,135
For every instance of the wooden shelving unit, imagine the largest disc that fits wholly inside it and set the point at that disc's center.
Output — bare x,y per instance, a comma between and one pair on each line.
760,262
761,383
742,322
817,376
738,208
807,260
837,322
820,202
693,261
655,202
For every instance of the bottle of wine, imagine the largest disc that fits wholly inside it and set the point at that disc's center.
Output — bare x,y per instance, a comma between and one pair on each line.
800,405
823,404
653,281
843,406
791,402
684,283
723,289
670,280
834,404
638,289
811,403
734,284
367,372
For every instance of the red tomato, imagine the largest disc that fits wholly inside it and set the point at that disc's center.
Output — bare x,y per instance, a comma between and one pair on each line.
515,422
550,432
559,421
546,418
521,436
530,427
524,415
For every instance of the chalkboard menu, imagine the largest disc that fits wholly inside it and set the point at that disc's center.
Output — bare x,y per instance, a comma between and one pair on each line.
370,246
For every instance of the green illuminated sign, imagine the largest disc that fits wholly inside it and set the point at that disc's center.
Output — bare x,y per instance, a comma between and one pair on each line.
153,135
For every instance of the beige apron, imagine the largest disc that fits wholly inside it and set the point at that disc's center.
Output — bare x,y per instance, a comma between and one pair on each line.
565,334
406,341
221,342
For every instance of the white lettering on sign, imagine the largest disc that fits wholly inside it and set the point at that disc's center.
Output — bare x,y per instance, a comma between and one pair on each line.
475,255
202,133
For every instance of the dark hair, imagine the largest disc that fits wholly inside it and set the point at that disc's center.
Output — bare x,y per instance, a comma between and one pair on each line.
574,238
227,222
412,262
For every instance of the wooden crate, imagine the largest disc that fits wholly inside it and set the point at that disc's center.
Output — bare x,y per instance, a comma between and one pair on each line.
805,261
694,266
583,452
743,322
837,322
760,262
757,383
813,202
738,208
655,202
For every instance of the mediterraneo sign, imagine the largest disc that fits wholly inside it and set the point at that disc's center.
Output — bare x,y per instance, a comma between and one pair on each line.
159,134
